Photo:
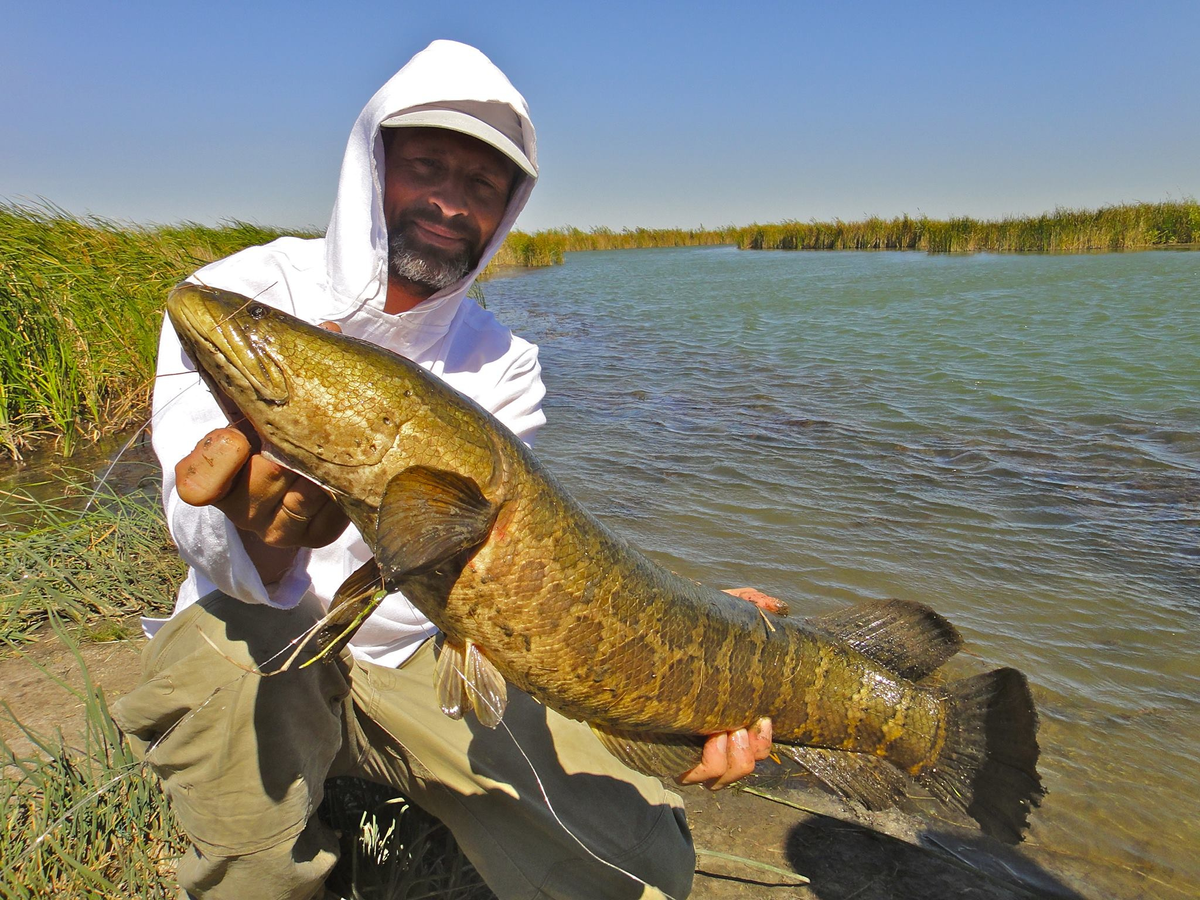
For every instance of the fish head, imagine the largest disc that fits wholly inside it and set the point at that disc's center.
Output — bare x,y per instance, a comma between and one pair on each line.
290,381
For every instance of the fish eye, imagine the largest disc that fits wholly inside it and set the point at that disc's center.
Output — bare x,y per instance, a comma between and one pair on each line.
257,311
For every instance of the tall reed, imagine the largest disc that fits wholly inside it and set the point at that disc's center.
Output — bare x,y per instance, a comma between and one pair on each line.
80,309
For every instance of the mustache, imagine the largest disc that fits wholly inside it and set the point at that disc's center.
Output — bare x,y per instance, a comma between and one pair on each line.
461,226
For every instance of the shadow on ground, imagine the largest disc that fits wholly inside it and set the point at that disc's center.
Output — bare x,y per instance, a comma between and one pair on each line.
843,860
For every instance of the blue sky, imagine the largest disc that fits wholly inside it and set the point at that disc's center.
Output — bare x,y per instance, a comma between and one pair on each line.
655,114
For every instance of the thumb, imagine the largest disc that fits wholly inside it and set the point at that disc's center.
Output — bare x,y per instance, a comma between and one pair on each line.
206,474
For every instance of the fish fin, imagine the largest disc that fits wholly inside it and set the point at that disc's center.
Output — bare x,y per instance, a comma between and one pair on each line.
908,638
448,677
870,781
463,674
352,603
428,518
651,753
988,764
486,687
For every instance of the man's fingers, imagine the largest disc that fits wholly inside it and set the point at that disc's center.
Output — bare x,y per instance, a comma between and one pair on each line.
761,600
760,738
739,759
731,755
713,761
327,525
253,502
206,475
332,326
305,517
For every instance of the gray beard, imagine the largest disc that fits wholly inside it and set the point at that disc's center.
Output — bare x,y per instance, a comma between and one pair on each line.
430,268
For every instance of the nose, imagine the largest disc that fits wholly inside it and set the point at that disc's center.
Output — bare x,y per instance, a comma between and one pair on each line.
450,196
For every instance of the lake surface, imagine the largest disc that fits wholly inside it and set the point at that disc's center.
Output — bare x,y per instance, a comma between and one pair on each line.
1012,439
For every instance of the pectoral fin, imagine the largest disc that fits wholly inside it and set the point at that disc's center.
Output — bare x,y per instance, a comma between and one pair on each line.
462,671
430,521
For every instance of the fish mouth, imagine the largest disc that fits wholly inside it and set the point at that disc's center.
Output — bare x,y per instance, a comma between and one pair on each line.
220,335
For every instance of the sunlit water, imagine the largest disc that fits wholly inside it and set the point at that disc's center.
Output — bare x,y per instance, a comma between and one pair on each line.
1013,439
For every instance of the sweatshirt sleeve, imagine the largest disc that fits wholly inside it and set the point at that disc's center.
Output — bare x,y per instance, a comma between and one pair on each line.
184,412
517,399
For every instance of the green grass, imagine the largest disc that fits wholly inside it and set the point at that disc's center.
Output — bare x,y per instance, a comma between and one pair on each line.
95,567
83,818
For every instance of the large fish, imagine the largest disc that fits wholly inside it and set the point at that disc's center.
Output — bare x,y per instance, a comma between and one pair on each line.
530,589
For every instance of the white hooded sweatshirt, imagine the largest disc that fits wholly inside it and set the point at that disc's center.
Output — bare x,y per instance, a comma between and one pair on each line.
343,278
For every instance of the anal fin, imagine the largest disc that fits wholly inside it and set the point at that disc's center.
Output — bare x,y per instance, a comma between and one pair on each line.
870,781
353,602
664,755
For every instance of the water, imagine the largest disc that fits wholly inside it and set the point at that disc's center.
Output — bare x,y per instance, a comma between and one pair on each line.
1013,439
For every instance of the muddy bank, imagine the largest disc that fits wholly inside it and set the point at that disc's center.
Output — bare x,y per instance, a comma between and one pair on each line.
886,857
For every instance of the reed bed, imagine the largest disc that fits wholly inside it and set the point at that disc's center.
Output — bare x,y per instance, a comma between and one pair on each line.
80,310
1123,227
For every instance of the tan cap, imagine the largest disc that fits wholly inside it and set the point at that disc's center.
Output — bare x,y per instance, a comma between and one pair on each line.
496,124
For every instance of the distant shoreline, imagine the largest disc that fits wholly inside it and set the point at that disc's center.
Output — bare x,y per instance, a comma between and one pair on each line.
1127,226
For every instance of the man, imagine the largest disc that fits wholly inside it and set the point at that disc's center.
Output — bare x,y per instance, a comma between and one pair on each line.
438,166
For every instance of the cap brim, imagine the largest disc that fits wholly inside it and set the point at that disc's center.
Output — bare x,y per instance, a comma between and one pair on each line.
453,120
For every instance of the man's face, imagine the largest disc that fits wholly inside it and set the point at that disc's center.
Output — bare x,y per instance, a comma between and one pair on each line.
444,194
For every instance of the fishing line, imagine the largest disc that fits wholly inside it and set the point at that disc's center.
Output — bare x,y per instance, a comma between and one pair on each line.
537,778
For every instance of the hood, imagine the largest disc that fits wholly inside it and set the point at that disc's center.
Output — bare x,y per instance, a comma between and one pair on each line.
446,72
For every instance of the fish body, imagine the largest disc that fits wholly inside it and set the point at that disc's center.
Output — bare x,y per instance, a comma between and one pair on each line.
532,590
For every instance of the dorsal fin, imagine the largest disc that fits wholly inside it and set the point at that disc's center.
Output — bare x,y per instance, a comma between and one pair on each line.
906,637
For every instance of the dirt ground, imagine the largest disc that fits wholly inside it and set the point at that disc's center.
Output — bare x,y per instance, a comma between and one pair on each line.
845,856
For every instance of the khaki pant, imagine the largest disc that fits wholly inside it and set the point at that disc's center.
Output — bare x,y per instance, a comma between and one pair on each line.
243,759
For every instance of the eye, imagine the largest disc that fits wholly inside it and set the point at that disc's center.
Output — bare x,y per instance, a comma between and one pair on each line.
257,311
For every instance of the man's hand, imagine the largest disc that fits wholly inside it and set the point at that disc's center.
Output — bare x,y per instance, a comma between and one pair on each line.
276,510
731,755
283,509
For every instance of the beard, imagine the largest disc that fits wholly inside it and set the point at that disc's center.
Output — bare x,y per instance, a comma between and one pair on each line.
435,268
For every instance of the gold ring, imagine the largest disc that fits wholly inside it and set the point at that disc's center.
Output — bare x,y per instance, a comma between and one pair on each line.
294,516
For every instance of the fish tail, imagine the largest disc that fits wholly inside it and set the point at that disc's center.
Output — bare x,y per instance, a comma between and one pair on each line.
987,766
